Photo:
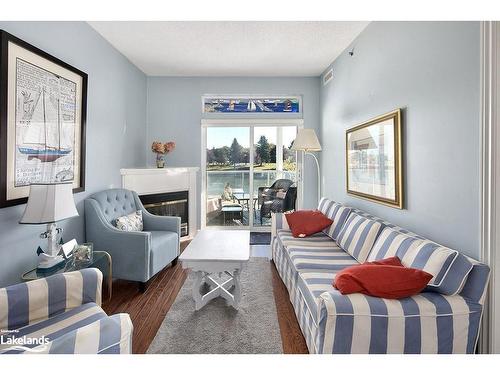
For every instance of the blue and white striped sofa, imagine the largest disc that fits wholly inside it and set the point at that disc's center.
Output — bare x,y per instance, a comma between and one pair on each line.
445,318
65,310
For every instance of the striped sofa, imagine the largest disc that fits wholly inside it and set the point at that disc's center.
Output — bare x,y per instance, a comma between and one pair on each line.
61,314
444,318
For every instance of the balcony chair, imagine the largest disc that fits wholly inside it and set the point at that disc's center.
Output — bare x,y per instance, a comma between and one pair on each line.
279,197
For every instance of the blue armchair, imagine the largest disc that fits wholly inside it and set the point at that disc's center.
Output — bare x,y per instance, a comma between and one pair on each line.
137,256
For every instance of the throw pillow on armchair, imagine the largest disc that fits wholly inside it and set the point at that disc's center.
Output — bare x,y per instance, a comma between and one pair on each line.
130,222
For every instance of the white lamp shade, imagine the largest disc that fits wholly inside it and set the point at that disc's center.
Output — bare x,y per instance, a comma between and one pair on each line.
48,203
306,140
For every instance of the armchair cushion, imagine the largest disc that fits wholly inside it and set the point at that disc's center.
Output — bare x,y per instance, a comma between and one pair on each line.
164,248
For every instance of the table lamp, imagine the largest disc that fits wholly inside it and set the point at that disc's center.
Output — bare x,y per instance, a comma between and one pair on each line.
48,204
307,141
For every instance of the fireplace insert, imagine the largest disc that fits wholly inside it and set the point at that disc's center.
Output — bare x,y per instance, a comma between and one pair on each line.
169,204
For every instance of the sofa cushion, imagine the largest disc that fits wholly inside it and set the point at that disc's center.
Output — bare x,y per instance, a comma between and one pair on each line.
316,241
323,259
390,242
449,268
358,236
386,223
59,325
337,213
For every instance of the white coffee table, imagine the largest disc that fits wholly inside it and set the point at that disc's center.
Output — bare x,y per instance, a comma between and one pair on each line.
217,252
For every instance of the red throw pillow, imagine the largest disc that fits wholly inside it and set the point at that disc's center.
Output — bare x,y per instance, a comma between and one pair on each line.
392,261
303,223
382,280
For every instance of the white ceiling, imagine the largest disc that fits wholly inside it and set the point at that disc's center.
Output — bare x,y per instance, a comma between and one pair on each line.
281,49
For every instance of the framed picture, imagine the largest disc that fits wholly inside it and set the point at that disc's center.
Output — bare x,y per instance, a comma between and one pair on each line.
238,104
373,160
43,103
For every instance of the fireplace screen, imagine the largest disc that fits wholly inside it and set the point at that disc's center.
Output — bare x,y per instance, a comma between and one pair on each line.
169,204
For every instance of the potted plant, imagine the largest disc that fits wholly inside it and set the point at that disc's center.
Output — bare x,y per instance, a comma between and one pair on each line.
161,149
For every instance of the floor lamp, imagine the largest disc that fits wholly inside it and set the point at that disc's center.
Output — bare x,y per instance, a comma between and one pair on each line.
307,141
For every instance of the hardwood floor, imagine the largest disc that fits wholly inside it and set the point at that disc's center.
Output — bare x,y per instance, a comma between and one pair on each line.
291,336
148,310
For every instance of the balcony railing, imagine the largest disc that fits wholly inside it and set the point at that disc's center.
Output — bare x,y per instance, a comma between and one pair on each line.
240,180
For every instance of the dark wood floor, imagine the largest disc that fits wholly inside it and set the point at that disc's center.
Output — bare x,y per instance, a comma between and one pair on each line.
291,336
147,310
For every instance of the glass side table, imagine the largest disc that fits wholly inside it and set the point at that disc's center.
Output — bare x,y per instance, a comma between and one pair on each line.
101,260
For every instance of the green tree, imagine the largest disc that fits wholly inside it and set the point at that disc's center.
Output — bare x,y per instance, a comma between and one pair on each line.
263,150
235,152
272,153
211,156
221,155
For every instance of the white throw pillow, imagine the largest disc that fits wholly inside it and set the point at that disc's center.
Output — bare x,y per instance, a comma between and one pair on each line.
130,222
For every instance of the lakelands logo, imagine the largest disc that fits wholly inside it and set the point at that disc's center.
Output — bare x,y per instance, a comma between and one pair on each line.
9,339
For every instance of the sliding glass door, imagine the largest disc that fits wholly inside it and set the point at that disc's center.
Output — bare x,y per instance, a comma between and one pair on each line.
273,161
241,163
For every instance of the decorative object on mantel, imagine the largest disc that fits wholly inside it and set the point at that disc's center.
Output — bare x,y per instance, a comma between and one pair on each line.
373,160
42,123
307,141
48,204
161,149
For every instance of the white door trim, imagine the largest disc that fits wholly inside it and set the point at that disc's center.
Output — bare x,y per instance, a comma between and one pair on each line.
490,181
251,123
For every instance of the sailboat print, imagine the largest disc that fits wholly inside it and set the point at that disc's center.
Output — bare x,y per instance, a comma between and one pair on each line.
45,137
251,106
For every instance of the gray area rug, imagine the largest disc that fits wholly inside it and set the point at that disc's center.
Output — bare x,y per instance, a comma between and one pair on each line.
218,328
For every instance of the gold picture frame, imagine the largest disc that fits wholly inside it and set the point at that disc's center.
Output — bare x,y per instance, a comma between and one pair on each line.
374,160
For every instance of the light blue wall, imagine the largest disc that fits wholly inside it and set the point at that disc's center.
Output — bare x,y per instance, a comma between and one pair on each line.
174,113
116,116
431,71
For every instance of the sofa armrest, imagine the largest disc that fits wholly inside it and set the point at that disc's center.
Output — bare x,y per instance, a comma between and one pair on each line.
343,324
110,335
278,221
40,299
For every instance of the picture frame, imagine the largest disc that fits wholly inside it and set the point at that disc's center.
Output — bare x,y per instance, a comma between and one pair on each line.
43,109
374,160
227,105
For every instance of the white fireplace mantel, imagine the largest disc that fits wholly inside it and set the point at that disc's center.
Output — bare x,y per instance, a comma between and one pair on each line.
164,180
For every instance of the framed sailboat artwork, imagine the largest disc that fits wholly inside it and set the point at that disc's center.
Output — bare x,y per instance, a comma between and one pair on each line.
43,104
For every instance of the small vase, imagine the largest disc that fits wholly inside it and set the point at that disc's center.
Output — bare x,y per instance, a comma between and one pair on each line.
160,163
